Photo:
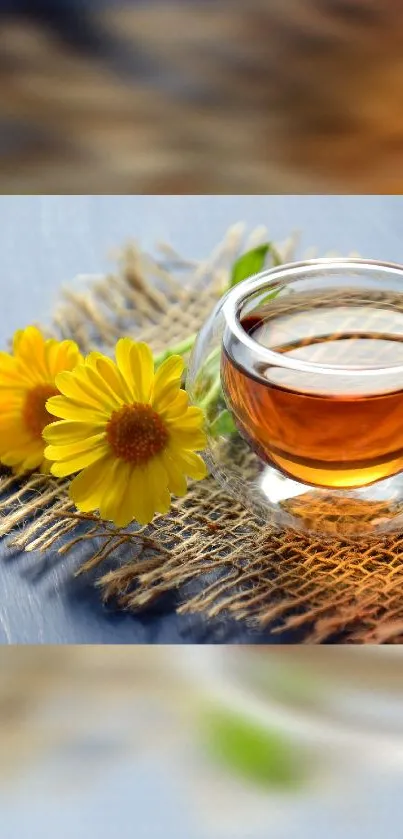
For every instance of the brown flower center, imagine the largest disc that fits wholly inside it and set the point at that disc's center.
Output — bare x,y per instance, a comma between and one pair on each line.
136,433
35,415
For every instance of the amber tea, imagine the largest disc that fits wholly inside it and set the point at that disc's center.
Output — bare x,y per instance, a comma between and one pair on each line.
319,428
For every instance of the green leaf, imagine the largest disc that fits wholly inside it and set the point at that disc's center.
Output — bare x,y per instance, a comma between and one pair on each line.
249,263
223,424
251,751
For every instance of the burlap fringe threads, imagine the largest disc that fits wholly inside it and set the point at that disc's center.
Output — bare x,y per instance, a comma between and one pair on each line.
243,569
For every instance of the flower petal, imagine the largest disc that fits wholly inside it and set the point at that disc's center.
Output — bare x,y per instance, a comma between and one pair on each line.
167,382
190,463
59,406
15,458
124,363
67,451
85,385
14,436
192,439
194,418
109,379
163,505
176,407
11,374
33,461
157,480
142,366
141,496
29,347
177,483
67,431
75,387
136,504
61,355
88,488
171,370
24,377
126,512
115,491
78,462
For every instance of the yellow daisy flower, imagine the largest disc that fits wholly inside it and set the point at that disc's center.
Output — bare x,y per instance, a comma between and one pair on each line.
27,380
128,431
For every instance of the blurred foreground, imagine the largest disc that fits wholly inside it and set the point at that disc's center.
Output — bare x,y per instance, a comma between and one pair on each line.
201,97
200,742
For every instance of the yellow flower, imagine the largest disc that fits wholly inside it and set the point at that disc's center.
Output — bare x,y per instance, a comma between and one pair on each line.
128,431
27,380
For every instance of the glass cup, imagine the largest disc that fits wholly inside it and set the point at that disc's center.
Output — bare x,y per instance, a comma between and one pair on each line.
300,372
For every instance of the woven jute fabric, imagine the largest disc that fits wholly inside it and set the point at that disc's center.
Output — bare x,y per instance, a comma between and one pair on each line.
215,554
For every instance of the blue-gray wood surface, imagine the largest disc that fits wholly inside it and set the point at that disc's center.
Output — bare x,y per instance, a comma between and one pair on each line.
44,242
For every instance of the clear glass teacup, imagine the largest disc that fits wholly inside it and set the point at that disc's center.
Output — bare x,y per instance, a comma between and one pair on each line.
308,428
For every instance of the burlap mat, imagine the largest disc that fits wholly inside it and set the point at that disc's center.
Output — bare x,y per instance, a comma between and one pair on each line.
219,558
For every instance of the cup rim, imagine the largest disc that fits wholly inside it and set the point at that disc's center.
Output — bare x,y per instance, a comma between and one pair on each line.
239,294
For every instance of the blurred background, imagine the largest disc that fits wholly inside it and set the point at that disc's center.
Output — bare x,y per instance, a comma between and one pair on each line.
219,96
46,240
213,743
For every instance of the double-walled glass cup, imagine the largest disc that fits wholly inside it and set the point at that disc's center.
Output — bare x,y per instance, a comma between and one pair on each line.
306,418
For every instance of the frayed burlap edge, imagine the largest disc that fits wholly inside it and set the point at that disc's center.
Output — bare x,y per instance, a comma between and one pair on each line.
215,554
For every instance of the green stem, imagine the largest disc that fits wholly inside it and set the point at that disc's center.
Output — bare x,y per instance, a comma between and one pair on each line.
212,393
214,356
178,349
